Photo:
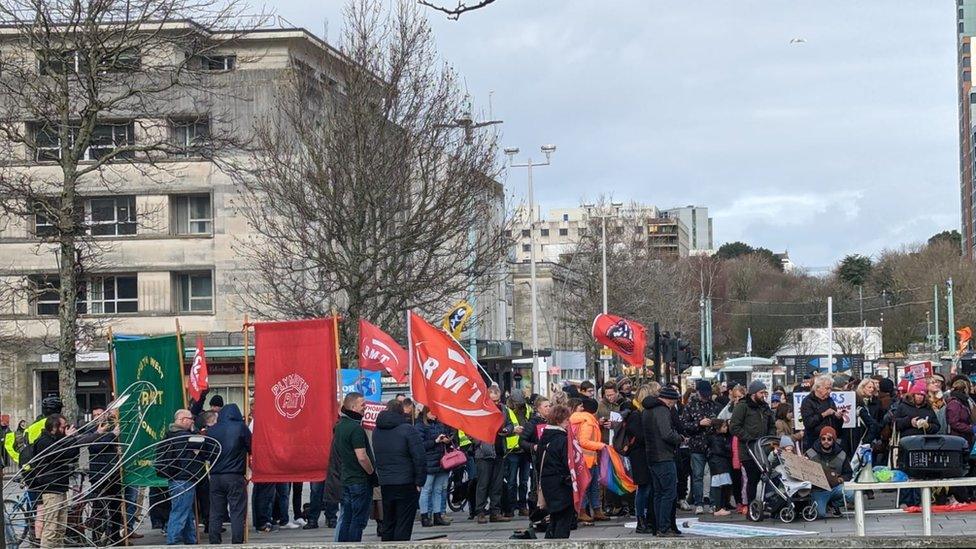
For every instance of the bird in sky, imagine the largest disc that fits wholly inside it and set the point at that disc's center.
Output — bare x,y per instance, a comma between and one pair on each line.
798,41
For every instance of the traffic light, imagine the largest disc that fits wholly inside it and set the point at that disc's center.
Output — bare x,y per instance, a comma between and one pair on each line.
684,358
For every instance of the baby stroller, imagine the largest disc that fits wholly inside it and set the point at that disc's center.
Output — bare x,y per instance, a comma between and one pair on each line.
778,494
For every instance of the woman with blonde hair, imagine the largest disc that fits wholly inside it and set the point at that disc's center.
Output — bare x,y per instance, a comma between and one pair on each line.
637,453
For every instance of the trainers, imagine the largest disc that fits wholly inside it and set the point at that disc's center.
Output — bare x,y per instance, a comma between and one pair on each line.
699,510
291,525
300,521
722,513
684,506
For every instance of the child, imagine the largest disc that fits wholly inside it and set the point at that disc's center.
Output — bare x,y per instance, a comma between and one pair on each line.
720,466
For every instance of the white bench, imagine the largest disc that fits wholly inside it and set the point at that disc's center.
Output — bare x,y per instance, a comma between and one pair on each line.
925,485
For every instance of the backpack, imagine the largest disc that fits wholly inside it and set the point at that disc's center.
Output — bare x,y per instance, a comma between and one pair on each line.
24,449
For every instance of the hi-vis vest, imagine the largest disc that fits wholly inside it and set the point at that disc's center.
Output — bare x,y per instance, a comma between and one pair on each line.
32,433
511,442
463,439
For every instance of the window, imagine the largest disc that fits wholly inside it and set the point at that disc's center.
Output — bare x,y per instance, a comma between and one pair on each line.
43,226
563,232
111,216
113,294
965,47
544,232
192,214
526,248
104,140
72,61
47,144
966,76
508,234
190,136
195,292
46,295
525,232
565,217
218,62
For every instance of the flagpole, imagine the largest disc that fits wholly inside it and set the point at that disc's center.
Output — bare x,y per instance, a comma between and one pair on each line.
473,359
409,355
338,356
115,392
247,409
179,349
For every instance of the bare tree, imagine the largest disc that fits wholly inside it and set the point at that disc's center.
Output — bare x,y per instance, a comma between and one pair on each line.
458,9
363,195
92,95
849,341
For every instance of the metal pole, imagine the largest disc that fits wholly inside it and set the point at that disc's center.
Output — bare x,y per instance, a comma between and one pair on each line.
701,321
473,300
864,333
657,352
536,374
935,305
603,237
951,318
708,327
830,335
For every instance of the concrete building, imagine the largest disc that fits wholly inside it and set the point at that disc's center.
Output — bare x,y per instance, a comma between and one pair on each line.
699,225
167,247
965,30
865,341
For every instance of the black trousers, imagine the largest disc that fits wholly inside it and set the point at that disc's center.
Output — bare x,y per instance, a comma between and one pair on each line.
296,500
203,501
753,473
400,504
560,523
228,492
159,507
682,460
490,485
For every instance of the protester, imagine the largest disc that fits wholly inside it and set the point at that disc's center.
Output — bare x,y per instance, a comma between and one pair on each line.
356,470
720,467
489,459
751,420
682,458
587,389
869,415
529,441
555,480
609,403
662,438
696,420
818,410
183,467
735,395
959,418
437,438
636,452
587,429
228,486
827,452
935,385
721,392
913,416
625,387
324,496
517,463
401,469
4,429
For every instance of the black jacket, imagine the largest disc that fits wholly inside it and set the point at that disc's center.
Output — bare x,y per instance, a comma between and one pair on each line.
235,441
55,459
634,428
434,451
834,459
719,453
530,437
333,479
399,451
181,454
552,462
907,411
102,456
662,434
811,413
697,410
750,421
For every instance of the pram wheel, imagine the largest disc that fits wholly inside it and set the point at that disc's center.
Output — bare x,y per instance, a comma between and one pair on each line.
787,514
756,510
809,513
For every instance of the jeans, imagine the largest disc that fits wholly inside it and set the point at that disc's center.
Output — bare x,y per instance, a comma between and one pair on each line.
316,496
592,495
824,497
354,512
399,511
296,499
228,491
517,475
279,509
432,495
182,525
131,497
698,462
641,500
664,476
262,503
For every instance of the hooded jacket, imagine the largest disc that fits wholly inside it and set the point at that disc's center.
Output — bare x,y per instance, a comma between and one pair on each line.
235,441
834,459
662,434
399,451
750,421
589,436
907,411
552,464
958,416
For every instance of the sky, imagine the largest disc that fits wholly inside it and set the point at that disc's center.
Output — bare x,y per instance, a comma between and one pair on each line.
845,143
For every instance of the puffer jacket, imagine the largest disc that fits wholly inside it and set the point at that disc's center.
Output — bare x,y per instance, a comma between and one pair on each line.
434,451
834,459
588,433
697,410
399,451
958,416
750,421
907,411
662,435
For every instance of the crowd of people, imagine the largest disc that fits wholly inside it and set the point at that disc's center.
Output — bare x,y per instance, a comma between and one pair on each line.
685,451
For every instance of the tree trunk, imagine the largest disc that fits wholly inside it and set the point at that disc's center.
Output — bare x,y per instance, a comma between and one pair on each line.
69,275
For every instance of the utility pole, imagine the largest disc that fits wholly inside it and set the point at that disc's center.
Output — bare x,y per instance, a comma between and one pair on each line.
657,352
935,305
830,335
864,332
603,236
708,327
701,321
951,321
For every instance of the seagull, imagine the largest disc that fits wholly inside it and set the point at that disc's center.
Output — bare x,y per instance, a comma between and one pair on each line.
798,41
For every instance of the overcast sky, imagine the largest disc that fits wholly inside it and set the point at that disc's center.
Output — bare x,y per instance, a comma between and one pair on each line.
844,144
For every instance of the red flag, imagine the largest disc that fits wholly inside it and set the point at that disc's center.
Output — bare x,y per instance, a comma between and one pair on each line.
294,399
378,351
199,378
445,379
626,337
579,473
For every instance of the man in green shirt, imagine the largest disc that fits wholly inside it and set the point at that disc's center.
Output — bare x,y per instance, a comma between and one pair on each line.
355,469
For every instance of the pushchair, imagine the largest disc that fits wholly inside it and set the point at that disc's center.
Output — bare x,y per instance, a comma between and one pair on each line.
778,494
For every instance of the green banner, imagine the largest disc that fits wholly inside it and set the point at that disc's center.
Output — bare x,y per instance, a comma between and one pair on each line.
156,360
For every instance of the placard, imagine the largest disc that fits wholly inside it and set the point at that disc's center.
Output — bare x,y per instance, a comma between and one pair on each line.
765,377
919,370
802,468
369,414
366,382
844,400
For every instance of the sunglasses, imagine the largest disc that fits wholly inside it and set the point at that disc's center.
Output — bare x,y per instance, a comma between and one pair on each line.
827,438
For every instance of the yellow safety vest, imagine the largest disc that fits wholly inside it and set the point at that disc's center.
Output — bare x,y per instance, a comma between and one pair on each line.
32,433
463,439
511,442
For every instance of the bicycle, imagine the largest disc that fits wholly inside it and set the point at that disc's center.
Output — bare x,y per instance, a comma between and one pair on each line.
457,489
18,520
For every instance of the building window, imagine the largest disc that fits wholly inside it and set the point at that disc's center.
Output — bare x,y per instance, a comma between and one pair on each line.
544,232
111,216
105,139
218,62
965,47
526,247
190,136
45,295
966,76
43,225
525,232
195,292
52,63
563,232
113,294
508,233
192,214
565,217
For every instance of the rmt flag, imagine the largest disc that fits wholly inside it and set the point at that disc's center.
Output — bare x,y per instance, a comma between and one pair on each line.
626,337
445,379
378,351
199,378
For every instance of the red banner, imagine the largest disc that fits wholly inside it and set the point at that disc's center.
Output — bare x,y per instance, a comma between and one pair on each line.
199,377
625,337
579,473
378,352
445,379
294,400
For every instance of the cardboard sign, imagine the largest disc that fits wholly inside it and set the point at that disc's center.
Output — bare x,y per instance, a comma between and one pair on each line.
369,415
844,400
801,468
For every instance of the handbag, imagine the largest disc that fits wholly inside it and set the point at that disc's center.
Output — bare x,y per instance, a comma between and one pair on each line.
453,458
540,499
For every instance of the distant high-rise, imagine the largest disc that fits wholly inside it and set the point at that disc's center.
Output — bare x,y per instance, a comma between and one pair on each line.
966,29
699,226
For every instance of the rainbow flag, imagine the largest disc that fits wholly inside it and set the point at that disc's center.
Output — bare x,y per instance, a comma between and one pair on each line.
613,472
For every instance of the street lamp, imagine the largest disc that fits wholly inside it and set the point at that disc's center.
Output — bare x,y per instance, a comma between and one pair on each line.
540,379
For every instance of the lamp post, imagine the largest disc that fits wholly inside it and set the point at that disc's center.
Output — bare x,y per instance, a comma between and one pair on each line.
540,379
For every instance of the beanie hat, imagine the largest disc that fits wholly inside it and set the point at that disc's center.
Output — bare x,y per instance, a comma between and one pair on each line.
590,405
918,387
217,400
704,388
828,430
785,441
756,386
669,393
887,386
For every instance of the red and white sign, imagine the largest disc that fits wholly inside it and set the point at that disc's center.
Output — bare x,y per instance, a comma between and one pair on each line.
369,415
919,370
626,337
294,400
445,379
199,377
378,352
